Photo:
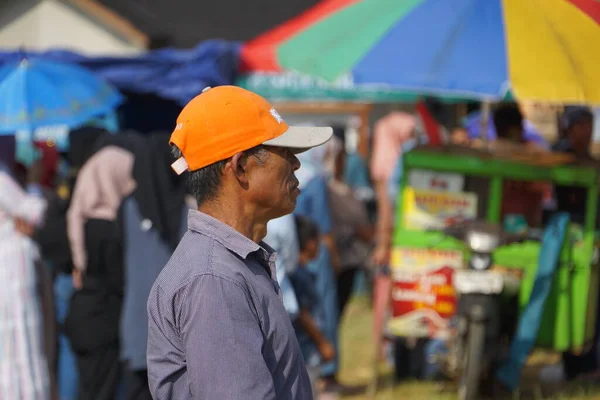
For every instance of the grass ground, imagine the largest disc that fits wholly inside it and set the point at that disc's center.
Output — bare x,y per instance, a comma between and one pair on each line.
356,368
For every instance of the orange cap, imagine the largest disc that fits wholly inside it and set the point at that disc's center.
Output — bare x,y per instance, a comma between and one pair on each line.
226,120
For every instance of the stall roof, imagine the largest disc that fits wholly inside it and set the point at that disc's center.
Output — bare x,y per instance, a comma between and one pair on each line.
114,23
183,23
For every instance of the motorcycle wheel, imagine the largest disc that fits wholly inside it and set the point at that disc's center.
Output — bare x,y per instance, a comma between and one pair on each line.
468,388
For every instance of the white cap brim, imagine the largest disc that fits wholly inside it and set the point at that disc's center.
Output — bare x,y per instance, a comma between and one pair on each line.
302,138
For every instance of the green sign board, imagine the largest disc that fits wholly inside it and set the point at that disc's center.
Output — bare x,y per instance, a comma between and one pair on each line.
292,86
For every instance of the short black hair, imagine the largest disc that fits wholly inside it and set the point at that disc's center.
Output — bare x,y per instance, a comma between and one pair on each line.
204,183
505,117
307,231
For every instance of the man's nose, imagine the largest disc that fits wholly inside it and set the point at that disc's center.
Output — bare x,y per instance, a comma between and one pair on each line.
295,162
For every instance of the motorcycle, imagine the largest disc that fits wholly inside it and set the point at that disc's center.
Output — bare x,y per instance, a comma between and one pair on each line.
487,311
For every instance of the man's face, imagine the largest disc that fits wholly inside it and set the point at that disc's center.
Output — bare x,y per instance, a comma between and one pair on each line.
271,181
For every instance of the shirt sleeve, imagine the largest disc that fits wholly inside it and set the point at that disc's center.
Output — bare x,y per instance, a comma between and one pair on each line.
223,342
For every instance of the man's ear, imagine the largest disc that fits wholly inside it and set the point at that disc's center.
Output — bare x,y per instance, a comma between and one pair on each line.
238,165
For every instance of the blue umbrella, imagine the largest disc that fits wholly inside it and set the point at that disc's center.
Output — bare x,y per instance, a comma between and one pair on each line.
37,93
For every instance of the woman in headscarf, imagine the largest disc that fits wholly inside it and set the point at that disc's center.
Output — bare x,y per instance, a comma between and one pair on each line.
95,239
313,203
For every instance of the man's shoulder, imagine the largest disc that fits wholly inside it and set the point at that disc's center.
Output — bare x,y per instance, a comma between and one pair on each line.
197,255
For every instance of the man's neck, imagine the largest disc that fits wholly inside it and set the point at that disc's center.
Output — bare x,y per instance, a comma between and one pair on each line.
237,216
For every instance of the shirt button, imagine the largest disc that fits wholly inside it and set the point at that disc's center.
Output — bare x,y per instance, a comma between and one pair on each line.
146,225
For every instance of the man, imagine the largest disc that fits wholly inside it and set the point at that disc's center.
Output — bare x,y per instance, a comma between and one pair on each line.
217,326
576,129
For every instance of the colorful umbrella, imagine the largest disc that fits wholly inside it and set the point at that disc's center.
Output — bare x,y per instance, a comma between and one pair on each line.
539,49
36,93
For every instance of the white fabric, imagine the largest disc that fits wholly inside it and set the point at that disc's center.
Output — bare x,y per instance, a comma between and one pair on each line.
23,366
313,164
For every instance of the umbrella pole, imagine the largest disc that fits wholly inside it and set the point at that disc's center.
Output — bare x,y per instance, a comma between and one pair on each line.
486,110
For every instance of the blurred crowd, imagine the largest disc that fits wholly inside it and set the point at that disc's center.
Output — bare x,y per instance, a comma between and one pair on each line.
84,234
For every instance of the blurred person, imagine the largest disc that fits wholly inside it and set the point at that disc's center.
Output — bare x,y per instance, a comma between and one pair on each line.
313,203
282,237
316,349
54,246
24,368
217,325
460,137
389,134
352,229
395,135
509,125
509,113
354,171
519,197
576,128
153,220
92,324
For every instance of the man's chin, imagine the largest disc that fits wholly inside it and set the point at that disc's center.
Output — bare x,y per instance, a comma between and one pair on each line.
285,210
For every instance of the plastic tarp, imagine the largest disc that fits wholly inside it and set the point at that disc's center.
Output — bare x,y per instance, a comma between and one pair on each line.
173,74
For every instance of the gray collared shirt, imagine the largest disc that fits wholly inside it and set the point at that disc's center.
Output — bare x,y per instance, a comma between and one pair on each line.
217,325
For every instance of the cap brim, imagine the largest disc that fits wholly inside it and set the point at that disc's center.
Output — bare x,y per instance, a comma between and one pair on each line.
302,138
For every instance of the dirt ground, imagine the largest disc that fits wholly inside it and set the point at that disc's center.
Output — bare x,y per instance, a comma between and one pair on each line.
356,369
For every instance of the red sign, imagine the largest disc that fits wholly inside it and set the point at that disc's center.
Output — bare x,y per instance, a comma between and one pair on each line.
416,290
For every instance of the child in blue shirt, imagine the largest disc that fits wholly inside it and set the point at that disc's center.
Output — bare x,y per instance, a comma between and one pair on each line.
315,347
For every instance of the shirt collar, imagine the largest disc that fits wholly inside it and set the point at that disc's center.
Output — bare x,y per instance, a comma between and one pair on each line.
231,239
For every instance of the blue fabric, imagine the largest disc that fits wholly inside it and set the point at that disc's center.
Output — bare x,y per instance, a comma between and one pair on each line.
472,124
55,94
304,283
66,368
35,189
145,256
529,322
356,174
455,47
326,288
26,153
4,168
170,73
313,203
